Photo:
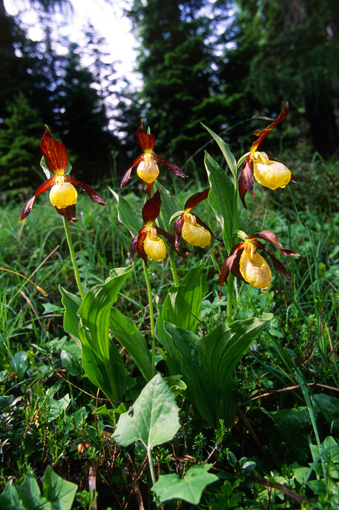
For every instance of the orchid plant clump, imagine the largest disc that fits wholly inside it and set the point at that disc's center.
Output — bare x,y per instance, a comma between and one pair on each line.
198,367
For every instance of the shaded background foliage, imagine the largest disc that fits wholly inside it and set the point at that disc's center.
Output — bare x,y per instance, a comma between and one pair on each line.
218,62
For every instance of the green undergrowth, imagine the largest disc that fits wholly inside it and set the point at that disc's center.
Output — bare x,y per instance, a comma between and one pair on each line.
281,450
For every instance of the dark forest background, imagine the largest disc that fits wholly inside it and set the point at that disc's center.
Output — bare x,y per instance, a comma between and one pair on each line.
223,63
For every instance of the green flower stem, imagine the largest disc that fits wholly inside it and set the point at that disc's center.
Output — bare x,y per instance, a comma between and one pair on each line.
150,301
229,298
173,268
72,253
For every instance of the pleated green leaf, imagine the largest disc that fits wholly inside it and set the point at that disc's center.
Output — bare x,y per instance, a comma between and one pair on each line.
226,151
221,198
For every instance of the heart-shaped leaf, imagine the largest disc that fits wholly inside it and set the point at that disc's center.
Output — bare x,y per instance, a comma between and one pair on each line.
190,488
153,418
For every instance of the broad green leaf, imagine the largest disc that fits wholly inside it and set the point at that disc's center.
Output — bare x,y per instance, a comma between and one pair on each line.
208,363
30,495
220,353
126,215
19,364
176,384
101,359
182,305
168,208
133,340
9,499
153,419
57,491
95,311
228,155
291,429
221,198
108,374
71,358
222,349
173,359
57,406
71,320
186,345
328,406
190,488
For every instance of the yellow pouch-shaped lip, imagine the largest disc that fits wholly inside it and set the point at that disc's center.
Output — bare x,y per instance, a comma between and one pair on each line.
154,246
63,195
194,233
254,268
148,170
270,174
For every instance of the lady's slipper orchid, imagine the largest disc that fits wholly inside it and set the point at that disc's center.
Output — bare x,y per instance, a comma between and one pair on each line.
63,194
267,172
247,265
148,169
190,226
147,243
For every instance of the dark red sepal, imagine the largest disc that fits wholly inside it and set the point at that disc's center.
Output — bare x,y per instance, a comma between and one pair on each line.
173,168
279,266
203,224
68,213
271,237
145,141
55,153
133,248
151,209
140,244
294,180
149,187
231,264
29,205
225,271
177,231
264,132
93,195
234,264
127,175
168,236
246,180
196,199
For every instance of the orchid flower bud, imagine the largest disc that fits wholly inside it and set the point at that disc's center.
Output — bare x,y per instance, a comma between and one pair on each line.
154,246
268,173
194,233
254,268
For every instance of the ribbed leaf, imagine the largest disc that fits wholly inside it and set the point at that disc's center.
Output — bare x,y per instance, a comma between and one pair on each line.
107,374
221,198
226,151
126,215
186,345
168,208
182,305
133,340
95,311
101,359
72,304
